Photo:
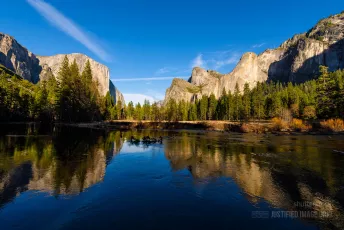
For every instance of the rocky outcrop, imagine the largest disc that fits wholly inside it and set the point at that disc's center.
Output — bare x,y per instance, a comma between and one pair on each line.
296,60
181,89
209,82
35,68
18,59
117,95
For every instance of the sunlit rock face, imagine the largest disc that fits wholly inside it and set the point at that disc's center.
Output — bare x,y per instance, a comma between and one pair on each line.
295,60
18,59
35,68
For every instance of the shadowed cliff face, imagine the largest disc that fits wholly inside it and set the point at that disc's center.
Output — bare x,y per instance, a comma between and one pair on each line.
35,68
296,60
301,61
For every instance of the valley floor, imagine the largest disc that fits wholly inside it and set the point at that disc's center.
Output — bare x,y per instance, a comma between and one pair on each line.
263,126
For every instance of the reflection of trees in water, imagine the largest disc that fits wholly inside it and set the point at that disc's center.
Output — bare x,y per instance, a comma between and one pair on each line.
280,170
67,163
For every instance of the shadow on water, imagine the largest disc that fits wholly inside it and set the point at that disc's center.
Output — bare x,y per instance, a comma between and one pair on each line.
286,172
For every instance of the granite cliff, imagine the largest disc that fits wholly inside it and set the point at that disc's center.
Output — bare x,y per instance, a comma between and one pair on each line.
295,60
34,68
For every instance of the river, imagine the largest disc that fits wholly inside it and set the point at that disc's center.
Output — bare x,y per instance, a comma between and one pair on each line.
78,178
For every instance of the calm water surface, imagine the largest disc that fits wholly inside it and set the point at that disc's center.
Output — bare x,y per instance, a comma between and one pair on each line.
74,178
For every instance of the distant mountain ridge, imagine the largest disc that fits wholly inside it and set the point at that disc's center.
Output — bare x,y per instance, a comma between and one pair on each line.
296,60
34,68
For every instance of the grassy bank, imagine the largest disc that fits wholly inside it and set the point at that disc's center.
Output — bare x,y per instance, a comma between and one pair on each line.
274,125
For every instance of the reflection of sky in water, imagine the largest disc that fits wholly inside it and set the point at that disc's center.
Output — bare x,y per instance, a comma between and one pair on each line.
139,148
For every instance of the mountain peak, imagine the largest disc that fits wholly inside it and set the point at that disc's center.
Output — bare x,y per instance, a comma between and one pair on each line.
18,59
296,60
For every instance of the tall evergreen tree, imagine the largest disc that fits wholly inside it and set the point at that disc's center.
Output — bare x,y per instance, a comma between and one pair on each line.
64,94
246,100
192,116
130,110
87,73
212,104
325,102
237,103
146,110
172,110
203,108
258,101
155,116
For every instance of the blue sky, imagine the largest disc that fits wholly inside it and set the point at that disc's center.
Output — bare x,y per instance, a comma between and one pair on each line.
145,43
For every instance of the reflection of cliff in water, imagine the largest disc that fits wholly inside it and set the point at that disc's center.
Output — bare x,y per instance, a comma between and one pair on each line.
283,172
67,163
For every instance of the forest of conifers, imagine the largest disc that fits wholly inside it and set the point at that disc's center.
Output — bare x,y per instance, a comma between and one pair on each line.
73,97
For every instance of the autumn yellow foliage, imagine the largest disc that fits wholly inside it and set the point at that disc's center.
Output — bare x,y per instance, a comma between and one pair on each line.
299,125
279,124
335,125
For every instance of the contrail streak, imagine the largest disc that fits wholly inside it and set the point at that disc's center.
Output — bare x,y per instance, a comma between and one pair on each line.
66,25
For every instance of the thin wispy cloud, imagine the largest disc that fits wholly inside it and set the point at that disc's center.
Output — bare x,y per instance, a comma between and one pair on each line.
233,59
162,71
172,71
66,25
147,78
258,45
199,62
217,59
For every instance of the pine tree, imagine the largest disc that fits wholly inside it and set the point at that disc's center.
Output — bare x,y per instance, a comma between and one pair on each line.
212,104
74,71
258,101
64,72
222,106
119,110
172,110
87,73
237,103
277,105
230,107
130,110
246,100
146,110
138,112
192,116
64,93
182,111
155,112
325,103
203,107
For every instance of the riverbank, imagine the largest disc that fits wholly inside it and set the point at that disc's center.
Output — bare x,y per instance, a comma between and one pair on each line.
267,126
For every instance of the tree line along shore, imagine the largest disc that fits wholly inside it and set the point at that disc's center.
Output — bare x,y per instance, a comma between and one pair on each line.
277,126
73,97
